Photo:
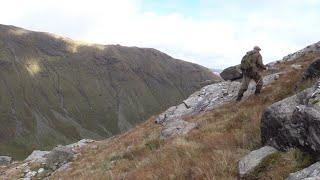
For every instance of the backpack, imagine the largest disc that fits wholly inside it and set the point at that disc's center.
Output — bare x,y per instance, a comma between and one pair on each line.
246,62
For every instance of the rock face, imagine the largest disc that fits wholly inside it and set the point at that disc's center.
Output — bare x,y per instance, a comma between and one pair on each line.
209,97
58,91
294,122
272,66
313,70
231,73
276,117
58,157
47,162
310,173
5,160
177,127
248,163
37,156
312,48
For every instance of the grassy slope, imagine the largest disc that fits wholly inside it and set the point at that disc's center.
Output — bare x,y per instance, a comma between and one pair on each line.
56,91
210,151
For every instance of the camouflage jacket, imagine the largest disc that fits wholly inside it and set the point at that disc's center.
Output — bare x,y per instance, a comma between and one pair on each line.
256,61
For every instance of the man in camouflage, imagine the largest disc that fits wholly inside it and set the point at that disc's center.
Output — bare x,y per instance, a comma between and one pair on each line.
252,73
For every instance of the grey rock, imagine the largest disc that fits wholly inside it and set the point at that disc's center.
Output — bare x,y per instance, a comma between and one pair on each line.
231,73
209,97
271,78
310,173
296,66
276,119
30,174
272,66
41,170
305,128
313,71
58,157
294,122
5,160
79,144
177,127
37,156
294,56
248,163
303,52
63,167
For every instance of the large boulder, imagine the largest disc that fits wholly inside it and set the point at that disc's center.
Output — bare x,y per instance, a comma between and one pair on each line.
177,127
37,156
310,173
294,122
208,98
58,157
248,163
5,160
276,118
231,73
313,70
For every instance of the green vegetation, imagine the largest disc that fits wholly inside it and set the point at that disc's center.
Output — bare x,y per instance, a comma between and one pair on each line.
56,91
279,165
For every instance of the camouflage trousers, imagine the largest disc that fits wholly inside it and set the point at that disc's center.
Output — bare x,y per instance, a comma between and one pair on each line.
247,77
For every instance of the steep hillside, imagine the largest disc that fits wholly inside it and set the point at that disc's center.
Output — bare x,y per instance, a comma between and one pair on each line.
211,150
55,91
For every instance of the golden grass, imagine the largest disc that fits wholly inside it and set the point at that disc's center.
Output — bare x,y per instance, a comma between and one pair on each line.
210,151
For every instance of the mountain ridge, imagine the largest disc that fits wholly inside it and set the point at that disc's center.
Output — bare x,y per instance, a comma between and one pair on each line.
57,91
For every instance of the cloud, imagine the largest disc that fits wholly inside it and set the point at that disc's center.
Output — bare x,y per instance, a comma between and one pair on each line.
218,39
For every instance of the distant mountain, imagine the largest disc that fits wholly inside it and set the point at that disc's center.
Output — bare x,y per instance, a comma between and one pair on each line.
216,71
55,91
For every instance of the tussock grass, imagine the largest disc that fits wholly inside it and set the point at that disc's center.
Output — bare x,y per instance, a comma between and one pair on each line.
210,151
279,165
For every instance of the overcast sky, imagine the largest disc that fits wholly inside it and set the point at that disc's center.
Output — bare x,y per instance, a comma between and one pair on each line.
213,33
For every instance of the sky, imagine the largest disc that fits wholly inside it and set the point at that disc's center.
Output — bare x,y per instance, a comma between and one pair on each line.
213,33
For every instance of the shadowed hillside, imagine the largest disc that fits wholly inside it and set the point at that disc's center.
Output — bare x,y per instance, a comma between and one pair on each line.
55,91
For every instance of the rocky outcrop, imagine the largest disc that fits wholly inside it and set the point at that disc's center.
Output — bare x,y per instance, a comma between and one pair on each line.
296,66
177,127
273,66
313,70
248,163
294,122
47,162
207,98
37,156
5,160
231,73
312,48
276,117
58,157
310,173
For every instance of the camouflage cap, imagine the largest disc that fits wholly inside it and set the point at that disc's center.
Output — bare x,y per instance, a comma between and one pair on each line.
257,48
